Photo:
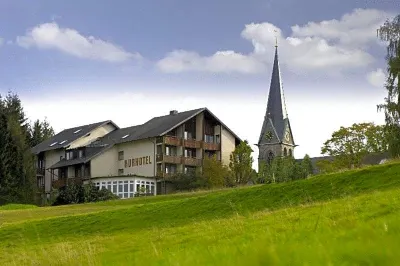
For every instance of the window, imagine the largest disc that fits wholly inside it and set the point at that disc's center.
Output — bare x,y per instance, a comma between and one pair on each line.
80,153
124,137
131,189
62,142
77,131
126,189
120,171
120,155
115,188
209,138
167,151
52,144
217,139
120,188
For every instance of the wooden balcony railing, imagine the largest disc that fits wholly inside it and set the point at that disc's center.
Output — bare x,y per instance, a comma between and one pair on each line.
59,183
40,171
192,143
191,161
211,146
167,176
62,182
169,140
168,159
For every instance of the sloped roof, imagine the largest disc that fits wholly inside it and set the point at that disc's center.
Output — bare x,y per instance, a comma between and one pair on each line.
157,126
65,137
90,153
275,115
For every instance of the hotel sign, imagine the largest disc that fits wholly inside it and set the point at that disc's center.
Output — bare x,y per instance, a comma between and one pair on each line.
138,161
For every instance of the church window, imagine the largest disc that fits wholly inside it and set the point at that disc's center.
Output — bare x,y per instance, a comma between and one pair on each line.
284,152
270,157
290,152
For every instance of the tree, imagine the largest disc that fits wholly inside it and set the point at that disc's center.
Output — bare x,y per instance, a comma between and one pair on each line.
189,181
349,145
390,33
17,173
241,163
8,184
327,166
214,172
306,166
39,132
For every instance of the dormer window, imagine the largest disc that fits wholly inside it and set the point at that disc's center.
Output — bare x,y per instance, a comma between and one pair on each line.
62,142
52,144
77,131
124,137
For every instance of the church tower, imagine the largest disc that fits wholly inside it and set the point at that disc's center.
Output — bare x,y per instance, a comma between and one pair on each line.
276,138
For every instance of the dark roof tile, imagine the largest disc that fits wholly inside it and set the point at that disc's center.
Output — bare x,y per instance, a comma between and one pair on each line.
66,136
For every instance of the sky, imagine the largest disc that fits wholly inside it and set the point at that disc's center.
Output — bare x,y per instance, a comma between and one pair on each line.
128,61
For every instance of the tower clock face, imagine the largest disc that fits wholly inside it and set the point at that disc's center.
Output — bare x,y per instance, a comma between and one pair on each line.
287,136
268,135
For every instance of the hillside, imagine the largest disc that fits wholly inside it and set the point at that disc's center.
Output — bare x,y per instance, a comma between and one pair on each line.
337,219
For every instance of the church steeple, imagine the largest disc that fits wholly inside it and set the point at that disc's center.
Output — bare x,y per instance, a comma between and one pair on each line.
276,137
276,101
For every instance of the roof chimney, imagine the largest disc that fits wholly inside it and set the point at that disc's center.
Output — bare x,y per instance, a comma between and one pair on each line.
173,112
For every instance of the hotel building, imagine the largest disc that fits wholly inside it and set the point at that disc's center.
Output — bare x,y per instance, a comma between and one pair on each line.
129,160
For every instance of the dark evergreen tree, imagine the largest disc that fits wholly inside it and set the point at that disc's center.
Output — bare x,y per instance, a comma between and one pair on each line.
21,178
39,132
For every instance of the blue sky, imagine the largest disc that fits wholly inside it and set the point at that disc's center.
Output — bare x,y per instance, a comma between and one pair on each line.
109,59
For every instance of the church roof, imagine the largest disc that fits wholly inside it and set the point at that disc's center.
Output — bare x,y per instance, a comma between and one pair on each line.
276,115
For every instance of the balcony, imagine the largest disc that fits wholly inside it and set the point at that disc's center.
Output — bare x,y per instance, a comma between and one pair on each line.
168,159
191,161
169,140
211,146
67,181
40,171
59,183
167,176
191,143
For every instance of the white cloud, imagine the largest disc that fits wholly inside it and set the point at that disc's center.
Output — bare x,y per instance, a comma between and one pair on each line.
70,41
326,46
245,121
222,61
354,29
377,78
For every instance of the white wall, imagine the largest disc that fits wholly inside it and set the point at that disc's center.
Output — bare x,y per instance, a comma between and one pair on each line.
51,157
227,145
94,134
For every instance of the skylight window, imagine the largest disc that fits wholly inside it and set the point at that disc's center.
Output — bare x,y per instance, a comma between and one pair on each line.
124,137
52,144
62,142
77,131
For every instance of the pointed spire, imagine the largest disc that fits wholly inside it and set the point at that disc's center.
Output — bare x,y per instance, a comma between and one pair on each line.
276,102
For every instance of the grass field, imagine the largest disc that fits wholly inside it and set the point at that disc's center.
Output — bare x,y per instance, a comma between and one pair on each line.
351,218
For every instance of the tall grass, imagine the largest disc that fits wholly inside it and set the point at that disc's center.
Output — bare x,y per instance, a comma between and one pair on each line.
336,219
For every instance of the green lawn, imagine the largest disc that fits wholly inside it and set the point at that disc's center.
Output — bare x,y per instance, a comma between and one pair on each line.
351,218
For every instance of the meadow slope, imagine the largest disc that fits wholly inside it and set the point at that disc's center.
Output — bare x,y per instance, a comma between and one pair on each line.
349,218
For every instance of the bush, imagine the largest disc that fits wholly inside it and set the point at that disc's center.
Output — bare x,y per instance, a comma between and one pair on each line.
76,193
